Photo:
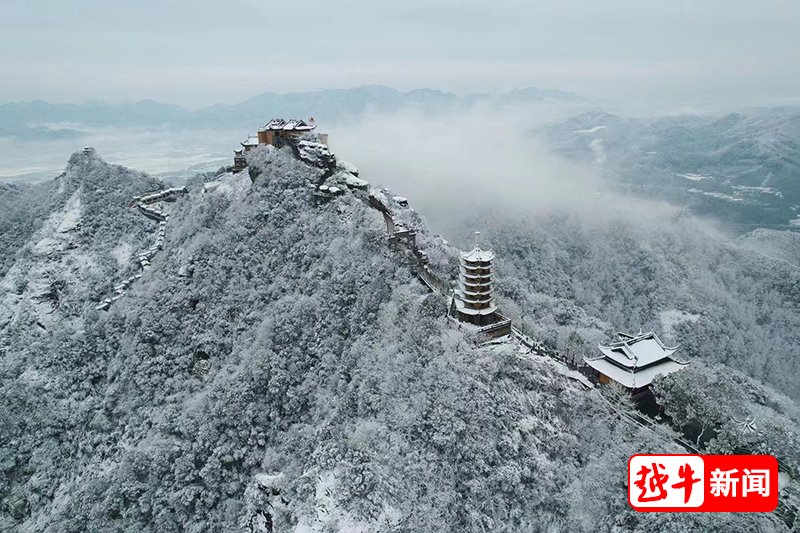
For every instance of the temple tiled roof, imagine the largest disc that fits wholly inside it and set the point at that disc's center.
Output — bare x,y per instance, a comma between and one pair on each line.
294,124
478,255
635,360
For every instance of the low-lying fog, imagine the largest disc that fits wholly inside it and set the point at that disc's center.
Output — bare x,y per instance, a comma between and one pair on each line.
447,165
160,152
478,162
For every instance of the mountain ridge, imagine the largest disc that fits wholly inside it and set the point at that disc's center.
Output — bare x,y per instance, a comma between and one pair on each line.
280,369
340,104
740,168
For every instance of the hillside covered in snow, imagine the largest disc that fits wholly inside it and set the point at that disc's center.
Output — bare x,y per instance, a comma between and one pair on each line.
278,368
742,168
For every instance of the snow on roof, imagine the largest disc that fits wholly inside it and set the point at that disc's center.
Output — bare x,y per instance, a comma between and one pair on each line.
275,124
294,124
462,308
467,289
475,298
635,360
250,141
478,255
474,278
637,351
633,379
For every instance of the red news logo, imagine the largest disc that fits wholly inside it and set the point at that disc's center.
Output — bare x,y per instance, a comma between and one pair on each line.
703,483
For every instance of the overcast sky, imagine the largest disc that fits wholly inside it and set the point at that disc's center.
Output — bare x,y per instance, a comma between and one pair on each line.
198,52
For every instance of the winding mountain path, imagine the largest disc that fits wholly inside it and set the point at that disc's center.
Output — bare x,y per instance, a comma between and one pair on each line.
151,205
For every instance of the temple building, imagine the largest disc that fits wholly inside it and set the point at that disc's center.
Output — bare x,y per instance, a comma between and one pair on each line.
473,300
635,360
249,143
239,160
279,127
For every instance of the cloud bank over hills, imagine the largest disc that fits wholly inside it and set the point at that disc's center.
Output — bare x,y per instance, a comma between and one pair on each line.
327,105
37,136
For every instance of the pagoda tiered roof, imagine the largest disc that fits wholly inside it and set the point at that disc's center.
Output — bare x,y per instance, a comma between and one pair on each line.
469,272
462,308
474,298
476,255
482,290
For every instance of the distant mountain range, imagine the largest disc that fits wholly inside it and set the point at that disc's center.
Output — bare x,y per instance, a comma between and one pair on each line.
42,119
742,167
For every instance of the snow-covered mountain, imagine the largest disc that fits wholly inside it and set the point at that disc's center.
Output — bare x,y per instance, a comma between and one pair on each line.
174,142
40,120
743,168
277,367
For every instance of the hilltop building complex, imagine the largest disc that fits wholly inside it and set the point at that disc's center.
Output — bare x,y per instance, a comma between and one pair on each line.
276,132
279,128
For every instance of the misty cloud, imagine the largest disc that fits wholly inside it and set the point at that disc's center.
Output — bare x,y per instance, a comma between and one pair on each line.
450,167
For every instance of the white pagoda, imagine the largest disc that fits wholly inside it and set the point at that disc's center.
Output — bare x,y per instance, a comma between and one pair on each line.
635,360
474,298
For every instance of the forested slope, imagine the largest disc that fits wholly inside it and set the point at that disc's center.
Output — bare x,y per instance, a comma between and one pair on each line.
732,301
279,368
